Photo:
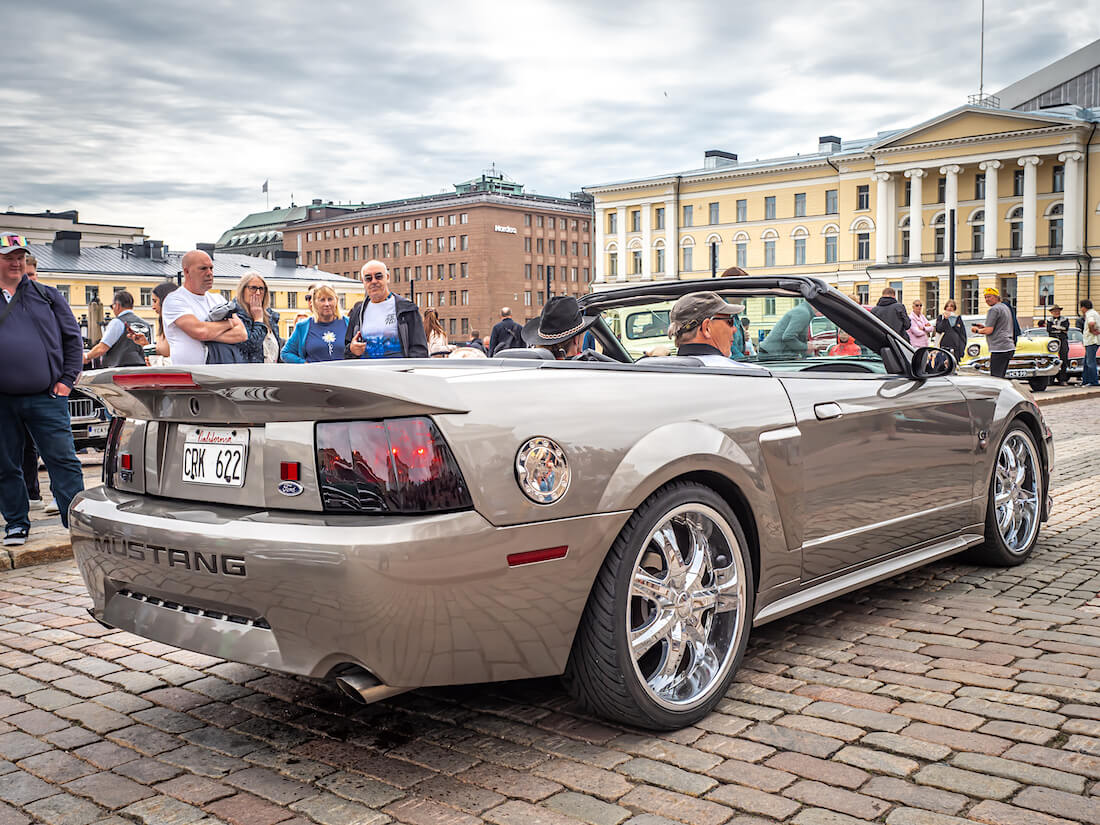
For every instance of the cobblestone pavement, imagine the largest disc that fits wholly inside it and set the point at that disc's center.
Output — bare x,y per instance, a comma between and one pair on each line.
946,695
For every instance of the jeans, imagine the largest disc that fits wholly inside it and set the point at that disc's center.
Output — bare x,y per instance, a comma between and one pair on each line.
1089,376
30,466
998,363
46,418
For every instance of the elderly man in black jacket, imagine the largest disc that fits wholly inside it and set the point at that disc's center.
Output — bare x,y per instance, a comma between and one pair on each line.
890,312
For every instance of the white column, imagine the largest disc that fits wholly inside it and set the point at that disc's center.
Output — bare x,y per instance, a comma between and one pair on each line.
892,230
624,256
884,223
951,202
672,241
1072,211
992,216
647,243
1031,205
599,254
915,213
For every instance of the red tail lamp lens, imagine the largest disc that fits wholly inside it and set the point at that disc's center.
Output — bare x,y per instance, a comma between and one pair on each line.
126,461
155,380
289,471
399,465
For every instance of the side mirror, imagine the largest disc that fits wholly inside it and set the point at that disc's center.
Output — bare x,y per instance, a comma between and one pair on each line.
932,362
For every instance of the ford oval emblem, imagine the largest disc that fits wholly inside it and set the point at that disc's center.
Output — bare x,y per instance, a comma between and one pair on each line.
290,488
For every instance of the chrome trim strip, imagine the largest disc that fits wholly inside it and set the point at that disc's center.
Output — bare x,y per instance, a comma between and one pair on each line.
859,578
878,525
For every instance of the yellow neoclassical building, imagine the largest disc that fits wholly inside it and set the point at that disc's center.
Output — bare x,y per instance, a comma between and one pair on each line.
865,214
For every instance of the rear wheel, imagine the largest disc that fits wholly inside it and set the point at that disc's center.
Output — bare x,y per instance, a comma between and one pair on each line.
1015,502
1039,383
668,617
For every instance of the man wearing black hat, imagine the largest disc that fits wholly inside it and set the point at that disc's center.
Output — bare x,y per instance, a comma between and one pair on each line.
560,328
1058,329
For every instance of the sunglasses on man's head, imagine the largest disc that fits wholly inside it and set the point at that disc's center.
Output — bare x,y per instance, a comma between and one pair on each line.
10,239
377,276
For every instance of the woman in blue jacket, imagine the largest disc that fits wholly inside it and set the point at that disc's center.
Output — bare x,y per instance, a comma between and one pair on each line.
320,338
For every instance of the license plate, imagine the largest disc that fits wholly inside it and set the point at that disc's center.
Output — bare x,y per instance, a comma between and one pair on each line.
1018,374
215,456
97,430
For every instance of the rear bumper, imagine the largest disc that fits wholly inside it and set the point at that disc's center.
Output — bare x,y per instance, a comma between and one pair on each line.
415,601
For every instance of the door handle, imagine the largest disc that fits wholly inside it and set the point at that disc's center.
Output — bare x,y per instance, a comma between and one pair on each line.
827,411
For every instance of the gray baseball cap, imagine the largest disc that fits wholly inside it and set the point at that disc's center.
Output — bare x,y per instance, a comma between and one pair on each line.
693,308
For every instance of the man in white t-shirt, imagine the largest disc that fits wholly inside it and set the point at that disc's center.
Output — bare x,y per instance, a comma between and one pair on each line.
185,312
385,325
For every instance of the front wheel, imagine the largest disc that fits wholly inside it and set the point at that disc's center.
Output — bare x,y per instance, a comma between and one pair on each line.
1015,501
669,614
1039,383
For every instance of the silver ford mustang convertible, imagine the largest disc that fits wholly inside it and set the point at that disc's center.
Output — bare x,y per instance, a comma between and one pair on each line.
403,523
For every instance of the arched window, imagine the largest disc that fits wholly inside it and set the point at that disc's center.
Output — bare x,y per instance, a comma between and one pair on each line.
939,236
977,232
687,249
1016,231
659,256
1054,230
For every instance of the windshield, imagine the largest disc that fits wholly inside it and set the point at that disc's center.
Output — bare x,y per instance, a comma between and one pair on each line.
777,330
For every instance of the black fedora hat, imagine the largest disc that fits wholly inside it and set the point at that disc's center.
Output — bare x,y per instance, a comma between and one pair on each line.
561,319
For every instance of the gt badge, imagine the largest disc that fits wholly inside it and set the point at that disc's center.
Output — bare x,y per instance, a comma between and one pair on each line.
290,488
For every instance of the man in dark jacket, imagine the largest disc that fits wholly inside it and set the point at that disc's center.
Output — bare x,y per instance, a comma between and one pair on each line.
385,325
890,312
116,348
39,334
1058,328
506,334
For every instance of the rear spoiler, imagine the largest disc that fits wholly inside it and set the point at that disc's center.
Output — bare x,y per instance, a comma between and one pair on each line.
259,393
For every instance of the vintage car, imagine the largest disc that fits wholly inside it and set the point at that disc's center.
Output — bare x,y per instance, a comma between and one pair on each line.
394,524
1076,354
89,419
1035,360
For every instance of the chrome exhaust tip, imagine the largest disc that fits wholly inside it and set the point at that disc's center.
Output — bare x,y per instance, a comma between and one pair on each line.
364,687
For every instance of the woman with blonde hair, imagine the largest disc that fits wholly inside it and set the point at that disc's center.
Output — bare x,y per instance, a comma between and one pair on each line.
437,338
320,338
261,322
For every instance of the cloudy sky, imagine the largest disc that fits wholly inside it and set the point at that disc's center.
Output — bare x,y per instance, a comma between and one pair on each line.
171,115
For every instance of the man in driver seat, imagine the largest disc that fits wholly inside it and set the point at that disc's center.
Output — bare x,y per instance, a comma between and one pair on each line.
702,325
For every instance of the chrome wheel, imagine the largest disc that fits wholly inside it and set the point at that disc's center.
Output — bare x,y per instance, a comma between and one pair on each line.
1016,492
686,606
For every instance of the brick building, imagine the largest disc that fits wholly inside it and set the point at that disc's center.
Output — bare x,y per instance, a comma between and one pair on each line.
465,254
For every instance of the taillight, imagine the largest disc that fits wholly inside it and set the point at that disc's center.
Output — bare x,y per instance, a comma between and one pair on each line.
399,465
110,452
155,380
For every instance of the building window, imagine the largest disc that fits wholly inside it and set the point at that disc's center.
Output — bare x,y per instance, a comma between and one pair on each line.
554,247
584,249
292,300
769,253
1016,231
1058,178
687,259
1046,290
769,305
526,244
612,264
574,250
931,298
612,222
636,262
465,296
635,220
941,190
979,186
712,209
799,251
452,243
527,220
146,296
713,257
660,259
540,220
527,271
830,202
428,272
908,197
939,237
451,271
863,196
540,245
742,210
863,294
742,255
587,275
905,244
464,218
1018,183
465,326
688,216
573,274
800,204
464,270
769,208
659,220
830,249
527,298
969,296
1055,233
863,246
897,287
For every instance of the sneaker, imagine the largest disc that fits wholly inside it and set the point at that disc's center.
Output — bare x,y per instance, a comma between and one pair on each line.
52,509
37,504
15,536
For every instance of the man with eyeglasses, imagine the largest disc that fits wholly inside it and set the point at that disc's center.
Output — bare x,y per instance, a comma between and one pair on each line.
43,351
703,326
385,325
186,311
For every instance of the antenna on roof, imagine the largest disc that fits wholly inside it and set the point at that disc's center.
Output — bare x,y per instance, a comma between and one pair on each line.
981,98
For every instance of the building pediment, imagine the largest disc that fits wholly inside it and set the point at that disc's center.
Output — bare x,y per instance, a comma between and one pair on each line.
970,123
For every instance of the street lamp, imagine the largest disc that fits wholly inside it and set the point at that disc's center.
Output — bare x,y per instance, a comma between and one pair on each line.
1044,298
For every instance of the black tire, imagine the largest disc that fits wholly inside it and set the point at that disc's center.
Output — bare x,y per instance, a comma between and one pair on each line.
602,673
1039,383
996,551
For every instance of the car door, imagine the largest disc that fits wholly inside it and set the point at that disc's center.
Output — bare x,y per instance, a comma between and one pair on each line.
887,464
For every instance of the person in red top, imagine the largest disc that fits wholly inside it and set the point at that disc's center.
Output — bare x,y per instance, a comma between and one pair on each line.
844,345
